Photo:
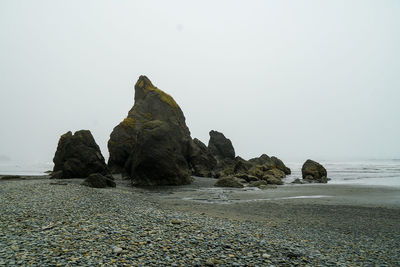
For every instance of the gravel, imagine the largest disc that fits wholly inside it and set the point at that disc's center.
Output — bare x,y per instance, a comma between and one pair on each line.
44,223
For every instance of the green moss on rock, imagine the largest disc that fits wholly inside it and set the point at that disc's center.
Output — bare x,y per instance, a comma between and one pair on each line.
128,123
166,98
145,84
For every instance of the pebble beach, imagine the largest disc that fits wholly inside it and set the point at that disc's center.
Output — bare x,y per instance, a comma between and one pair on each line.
62,223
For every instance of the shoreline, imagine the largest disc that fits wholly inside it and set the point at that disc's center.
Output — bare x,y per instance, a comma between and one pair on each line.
50,222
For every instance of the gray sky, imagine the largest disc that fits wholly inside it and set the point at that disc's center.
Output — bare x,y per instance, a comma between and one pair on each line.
296,79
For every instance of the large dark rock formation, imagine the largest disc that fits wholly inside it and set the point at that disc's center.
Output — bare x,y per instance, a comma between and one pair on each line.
153,144
314,172
202,161
220,146
78,156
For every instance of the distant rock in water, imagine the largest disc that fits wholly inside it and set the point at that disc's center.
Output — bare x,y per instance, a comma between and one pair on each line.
220,146
78,156
314,172
97,180
153,144
202,161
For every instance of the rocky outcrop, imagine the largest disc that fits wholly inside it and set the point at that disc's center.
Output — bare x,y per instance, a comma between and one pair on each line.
271,162
314,172
153,144
264,159
78,156
241,165
264,168
220,146
97,180
280,165
201,160
229,182
270,179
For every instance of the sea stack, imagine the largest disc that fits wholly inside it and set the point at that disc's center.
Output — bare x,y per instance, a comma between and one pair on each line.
152,145
78,156
220,146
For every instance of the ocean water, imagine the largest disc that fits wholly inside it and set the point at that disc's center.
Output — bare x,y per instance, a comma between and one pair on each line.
25,168
366,172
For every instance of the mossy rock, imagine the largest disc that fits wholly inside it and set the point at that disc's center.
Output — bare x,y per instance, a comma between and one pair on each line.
246,177
228,182
272,180
145,84
227,172
314,172
152,146
128,123
276,173
257,171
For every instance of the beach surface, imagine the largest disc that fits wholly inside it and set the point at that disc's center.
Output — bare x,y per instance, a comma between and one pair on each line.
60,222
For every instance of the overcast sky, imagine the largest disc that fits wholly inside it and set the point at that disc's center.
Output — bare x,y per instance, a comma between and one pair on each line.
295,79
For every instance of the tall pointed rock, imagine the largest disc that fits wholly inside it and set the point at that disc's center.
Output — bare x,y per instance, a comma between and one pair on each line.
153,144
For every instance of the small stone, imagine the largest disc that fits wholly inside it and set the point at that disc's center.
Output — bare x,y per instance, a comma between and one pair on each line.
266,256
116,250
175,221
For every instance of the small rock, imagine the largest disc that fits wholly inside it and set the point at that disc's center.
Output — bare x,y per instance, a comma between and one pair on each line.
266,256
117,250
175,221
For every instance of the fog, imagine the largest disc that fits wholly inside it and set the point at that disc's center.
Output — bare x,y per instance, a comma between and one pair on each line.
295,79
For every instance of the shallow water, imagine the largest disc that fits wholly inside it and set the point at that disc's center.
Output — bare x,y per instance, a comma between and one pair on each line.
225,199
367,172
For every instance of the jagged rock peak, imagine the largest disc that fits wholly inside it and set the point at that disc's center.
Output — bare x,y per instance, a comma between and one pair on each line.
153,144
143,86
220,146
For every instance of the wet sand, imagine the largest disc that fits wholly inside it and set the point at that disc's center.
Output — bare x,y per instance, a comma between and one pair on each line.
283,202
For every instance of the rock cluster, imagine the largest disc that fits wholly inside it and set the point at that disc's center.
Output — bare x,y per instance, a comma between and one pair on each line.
153,146
269,170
